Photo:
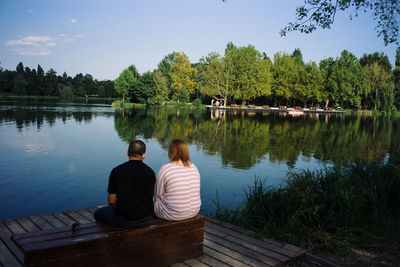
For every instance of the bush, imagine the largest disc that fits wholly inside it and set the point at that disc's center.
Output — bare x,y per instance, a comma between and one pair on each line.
324,209
197,103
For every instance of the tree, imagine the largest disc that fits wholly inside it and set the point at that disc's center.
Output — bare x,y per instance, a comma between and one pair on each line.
377,80
50,83
124,83
285,74
251,76
162,90
380,58
181,77
397,61
321,13
298,56
215,73
347,80
147,87
313,79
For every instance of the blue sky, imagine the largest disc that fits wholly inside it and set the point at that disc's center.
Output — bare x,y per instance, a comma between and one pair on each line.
104,37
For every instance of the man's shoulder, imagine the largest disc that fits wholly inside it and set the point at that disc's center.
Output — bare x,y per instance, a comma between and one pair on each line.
148,168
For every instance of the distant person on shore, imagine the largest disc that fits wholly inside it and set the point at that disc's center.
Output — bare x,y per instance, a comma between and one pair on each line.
177,191
130,191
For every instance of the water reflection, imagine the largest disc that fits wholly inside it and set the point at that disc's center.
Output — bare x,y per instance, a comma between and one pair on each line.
243,139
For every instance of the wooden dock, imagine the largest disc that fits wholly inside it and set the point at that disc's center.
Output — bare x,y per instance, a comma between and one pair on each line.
224,244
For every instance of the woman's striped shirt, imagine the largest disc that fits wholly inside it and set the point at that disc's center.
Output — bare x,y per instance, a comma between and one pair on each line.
177,192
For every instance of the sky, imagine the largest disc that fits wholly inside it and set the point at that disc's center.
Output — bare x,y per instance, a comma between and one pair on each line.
102,37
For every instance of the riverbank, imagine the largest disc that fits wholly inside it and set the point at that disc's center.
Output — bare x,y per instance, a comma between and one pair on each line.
348,215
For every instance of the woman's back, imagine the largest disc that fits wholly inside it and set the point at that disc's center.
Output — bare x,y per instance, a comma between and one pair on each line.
177,192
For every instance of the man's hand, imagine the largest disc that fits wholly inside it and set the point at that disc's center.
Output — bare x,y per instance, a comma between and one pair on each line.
112,199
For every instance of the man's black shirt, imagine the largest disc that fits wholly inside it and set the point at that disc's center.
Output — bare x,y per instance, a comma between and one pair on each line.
133,182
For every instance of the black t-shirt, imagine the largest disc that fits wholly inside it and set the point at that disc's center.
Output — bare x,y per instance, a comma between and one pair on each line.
133,182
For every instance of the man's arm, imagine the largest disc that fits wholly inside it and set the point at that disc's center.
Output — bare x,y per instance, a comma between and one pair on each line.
112,199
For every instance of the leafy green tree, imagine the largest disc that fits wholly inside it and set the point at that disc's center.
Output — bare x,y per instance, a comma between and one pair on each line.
347,80
312,78
377,80
51,83
162,90
298,56
216,77
321,13
380,58
124,83
182,77
147,87
40,80
20,84
285,73
396,82
251,76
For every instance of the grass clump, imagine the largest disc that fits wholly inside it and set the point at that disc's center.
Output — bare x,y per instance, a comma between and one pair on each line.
323,210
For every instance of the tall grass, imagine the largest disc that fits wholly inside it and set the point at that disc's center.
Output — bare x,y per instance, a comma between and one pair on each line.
323,209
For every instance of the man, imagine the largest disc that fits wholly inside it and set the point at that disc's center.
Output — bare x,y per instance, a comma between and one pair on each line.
130,191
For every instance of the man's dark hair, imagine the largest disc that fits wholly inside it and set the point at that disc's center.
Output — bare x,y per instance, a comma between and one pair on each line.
136,149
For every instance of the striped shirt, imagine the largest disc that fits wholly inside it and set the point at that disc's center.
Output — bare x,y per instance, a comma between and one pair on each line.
177,192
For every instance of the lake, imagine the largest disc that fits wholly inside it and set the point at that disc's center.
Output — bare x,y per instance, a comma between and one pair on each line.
58,156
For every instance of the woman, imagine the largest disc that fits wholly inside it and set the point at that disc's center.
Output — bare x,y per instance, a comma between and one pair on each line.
177,189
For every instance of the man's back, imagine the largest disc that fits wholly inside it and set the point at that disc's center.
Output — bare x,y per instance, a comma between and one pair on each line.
133,183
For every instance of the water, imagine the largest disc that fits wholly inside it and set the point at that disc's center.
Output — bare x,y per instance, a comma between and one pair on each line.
57,156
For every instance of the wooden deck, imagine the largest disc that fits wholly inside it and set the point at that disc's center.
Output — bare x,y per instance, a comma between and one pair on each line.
224,244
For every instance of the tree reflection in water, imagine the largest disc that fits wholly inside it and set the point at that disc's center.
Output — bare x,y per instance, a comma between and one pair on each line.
242,139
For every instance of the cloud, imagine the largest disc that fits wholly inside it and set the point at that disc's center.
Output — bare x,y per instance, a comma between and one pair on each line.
32,51
73,21
35,45
31,40
72,38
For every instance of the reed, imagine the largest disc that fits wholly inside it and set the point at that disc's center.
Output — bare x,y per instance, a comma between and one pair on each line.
323,209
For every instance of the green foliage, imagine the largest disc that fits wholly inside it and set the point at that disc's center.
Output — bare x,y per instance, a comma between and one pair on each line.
320,13
182,77
324,209
124,83
251,76
380,58
197,103
66,93
216,78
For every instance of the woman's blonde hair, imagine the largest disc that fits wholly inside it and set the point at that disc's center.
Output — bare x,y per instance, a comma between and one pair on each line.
178,150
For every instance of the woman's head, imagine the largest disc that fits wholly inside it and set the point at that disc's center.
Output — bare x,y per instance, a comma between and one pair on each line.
178,150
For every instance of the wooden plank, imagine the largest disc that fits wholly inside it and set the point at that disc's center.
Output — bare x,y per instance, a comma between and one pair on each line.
92,209
232,253
296,250
53,221
245,251
77,217
222,257
6,257
14,227
64,218
251,243
40,222
211,261
195,263
5,236
179,264
86,214
27,224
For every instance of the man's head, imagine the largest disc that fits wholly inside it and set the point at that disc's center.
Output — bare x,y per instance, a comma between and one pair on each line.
137,150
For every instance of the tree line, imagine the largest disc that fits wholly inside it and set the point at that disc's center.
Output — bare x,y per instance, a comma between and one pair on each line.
245,75
242,75
35,82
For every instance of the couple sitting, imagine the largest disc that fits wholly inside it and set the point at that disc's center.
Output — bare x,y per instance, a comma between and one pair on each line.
133,184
